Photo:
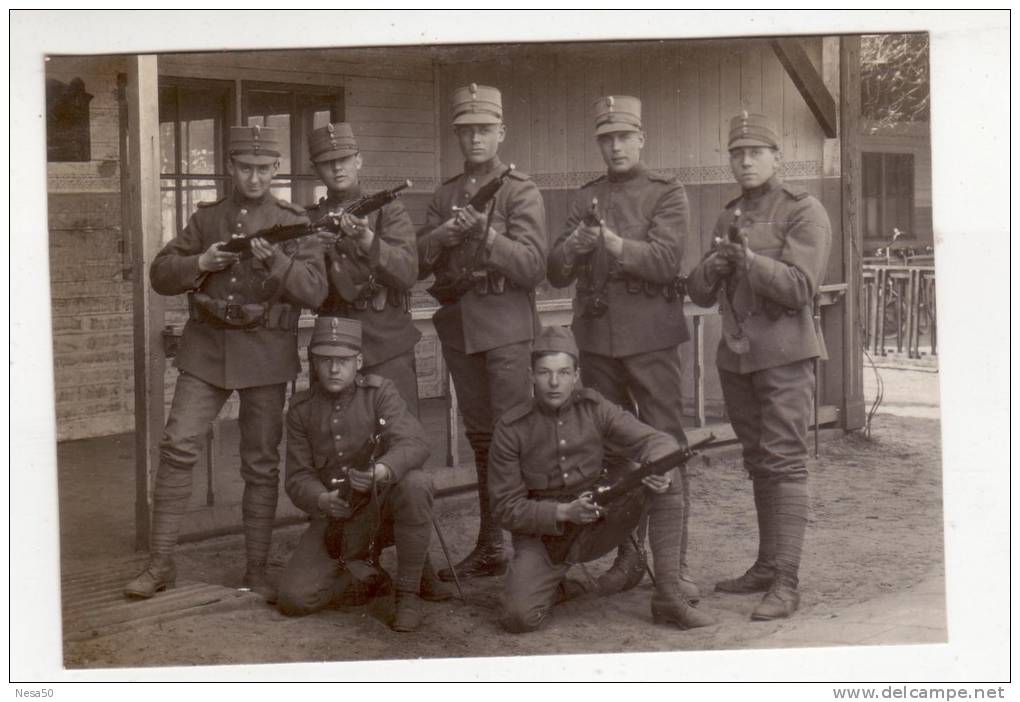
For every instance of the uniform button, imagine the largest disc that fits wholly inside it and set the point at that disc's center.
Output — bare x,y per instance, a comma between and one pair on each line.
563,442
564,476
233,280
230,297
337,437
339,453
244,211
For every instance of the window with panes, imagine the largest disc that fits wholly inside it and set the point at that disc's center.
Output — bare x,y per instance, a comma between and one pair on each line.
194,120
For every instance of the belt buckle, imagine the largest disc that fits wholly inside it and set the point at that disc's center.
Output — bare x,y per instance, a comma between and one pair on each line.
233,312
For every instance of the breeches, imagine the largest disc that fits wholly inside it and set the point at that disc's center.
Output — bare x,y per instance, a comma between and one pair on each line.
489,383
530,586
649,380
770,411
197,403
312,579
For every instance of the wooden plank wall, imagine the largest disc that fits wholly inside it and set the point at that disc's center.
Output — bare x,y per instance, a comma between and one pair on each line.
689,92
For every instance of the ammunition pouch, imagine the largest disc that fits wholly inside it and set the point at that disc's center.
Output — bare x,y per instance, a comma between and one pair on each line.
223,314
595,303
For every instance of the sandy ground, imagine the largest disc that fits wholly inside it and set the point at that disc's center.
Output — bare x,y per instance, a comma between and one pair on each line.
876,528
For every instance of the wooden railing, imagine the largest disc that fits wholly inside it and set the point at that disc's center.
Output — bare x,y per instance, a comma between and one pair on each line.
899,305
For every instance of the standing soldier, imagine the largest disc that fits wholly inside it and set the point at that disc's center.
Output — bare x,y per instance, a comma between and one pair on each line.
371,270
623,243
770,250
241,335
487,264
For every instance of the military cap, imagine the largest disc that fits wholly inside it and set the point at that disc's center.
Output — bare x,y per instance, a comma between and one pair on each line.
752,130
617,113
556,339
332,142
259,146
477,104
336,336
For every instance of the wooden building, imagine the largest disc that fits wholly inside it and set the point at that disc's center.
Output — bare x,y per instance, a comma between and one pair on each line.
157,124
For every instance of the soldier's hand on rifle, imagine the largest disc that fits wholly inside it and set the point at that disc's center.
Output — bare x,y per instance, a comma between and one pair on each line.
657,483
614,242
580,511
333,506
212,259
357,228
361,480
263,250
582,240
719,264
738,254
448,234
471,221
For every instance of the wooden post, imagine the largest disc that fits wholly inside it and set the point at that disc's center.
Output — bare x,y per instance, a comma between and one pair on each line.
146,237
850,163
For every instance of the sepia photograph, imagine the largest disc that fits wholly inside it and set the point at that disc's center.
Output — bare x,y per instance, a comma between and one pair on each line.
440,347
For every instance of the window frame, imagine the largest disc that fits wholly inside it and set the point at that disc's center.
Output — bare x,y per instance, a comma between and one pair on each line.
236,112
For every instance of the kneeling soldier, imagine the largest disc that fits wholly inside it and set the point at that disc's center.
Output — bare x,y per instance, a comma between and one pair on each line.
554,446
328,423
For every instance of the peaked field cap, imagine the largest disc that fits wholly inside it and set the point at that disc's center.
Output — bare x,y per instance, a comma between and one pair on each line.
336,336
752,129
555,339
617,113
256,145
332,142
477,104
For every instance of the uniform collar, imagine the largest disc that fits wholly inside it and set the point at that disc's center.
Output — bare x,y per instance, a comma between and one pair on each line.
241,201
764,189
483,169
638,170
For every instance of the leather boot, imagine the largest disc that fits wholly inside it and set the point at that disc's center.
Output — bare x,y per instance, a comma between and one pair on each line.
780,601
255,580
675,609
669,604
407,615
432,588
757,578
760,576
789,513
160,573
487,558
627,571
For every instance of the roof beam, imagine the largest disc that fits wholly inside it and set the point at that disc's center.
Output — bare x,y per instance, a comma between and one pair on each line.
809,82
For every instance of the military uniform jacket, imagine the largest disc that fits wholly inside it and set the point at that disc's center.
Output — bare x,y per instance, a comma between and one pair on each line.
539,455
789,233
649,211
387,272
480,322
323,428
242,358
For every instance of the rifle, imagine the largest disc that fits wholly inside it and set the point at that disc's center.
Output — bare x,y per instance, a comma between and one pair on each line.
598,266
620,504
448,288
358,527
330,222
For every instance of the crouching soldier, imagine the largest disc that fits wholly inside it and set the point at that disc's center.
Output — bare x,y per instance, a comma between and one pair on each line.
549,450
327,425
